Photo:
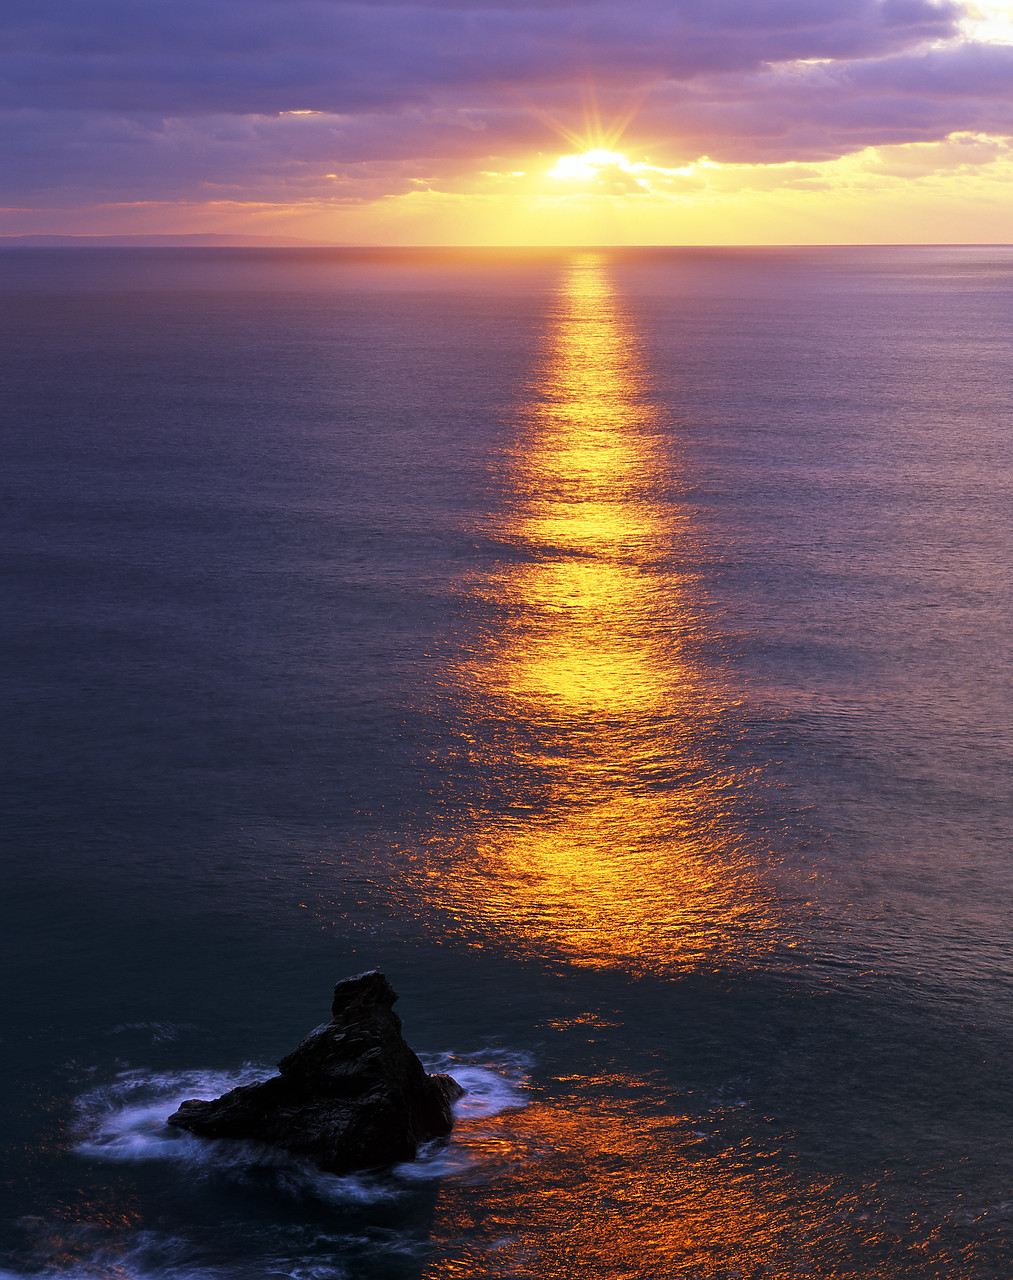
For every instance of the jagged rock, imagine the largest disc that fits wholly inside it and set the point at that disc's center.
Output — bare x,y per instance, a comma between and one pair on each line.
352,1096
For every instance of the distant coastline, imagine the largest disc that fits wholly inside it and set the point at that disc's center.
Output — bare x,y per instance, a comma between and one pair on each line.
196,240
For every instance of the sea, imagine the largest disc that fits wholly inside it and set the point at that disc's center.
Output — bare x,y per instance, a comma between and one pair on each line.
613,647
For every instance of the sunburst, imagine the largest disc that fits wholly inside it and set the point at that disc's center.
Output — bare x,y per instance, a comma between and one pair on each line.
594,145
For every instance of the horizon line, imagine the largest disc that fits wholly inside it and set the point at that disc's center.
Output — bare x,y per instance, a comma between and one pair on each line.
210,240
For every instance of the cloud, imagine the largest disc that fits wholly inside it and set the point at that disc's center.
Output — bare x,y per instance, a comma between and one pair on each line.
263,56
324,100
824,110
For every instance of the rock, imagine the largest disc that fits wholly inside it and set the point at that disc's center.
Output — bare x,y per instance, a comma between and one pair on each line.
352,1096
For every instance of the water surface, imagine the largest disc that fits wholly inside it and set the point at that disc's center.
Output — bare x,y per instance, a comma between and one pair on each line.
612,647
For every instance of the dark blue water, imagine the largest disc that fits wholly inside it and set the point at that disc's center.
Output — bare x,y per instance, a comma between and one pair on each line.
614,648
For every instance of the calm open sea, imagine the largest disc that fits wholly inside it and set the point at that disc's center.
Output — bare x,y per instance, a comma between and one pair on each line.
614,647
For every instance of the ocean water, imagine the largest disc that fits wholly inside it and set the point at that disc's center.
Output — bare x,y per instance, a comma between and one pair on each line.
613,647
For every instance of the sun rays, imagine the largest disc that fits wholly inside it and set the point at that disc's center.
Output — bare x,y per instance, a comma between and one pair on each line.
597,138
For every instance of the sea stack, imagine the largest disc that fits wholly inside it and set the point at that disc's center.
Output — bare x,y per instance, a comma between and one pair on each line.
352,1096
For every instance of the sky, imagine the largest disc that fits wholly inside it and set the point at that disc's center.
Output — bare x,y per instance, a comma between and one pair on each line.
488,122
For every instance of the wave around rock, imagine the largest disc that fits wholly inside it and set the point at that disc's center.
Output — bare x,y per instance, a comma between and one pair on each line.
351,1096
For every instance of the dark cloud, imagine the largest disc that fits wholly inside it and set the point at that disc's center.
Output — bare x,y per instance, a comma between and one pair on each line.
260,56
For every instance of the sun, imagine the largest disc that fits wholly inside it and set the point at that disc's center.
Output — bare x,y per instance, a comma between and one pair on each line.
588,164
593,158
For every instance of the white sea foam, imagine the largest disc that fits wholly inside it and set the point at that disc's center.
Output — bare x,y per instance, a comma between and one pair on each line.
158,1031
58,1250
124,1120
119,1265
144,1256
104,1266
493,1080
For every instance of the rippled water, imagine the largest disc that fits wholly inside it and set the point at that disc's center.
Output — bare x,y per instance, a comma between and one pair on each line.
611,646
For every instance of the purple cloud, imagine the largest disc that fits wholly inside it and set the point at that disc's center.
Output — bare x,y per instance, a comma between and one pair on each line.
264,56
119,100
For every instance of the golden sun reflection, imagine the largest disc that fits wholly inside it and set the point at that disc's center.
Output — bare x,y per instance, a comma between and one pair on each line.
616,1190
617,844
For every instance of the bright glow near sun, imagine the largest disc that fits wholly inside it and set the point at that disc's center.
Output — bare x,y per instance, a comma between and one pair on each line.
601,171
988,21
588,163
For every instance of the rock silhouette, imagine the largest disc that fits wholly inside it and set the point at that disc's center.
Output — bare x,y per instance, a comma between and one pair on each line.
352,1096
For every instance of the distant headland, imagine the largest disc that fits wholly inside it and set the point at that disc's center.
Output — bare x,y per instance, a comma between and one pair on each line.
197,240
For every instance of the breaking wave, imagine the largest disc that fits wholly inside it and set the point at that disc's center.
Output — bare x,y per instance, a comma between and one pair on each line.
124,1120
